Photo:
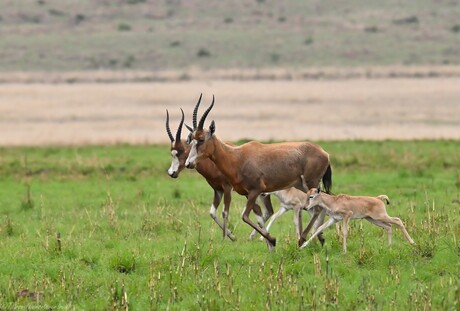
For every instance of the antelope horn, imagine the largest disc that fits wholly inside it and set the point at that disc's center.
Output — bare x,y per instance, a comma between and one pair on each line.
188,127
179,129
205,114
168,130
195,111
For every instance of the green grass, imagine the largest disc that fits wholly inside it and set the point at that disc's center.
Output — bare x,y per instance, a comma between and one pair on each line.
53,35
105,227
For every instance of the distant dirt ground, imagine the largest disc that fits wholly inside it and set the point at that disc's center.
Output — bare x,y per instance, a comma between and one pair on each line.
375,109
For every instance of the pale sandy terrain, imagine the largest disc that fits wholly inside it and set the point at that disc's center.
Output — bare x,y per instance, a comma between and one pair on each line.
85,113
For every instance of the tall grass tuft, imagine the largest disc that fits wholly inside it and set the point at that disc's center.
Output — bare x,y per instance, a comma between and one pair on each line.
27,202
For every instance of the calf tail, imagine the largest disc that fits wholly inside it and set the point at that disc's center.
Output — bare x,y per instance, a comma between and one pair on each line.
384,198
327,179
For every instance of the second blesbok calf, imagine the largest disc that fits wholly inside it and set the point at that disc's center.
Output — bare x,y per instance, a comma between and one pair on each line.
345,207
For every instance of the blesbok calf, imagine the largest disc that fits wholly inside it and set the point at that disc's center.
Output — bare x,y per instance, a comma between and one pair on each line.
296,200
218,182
345,207
254,168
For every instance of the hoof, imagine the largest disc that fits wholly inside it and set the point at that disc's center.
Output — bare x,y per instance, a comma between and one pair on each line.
304,245
321,239
300,242
271,244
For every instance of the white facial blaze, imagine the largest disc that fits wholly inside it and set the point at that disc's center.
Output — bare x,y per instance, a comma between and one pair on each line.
174,163
193,154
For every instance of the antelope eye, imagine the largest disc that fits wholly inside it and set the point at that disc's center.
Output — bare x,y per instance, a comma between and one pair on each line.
311,197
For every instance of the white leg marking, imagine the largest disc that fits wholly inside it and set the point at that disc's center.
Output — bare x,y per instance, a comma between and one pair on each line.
324,226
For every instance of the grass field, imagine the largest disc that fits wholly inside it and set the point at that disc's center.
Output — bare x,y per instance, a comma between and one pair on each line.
106,228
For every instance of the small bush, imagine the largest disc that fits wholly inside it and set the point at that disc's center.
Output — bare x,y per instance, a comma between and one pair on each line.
455,28
135,1
371,29
124,27
308,41
275,57
79,18
175,44
124,264
406,20
129,61
55,12
203,53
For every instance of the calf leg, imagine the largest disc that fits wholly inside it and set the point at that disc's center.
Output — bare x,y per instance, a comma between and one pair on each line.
346,219
396,221
324,226
383,225
318,223
400,224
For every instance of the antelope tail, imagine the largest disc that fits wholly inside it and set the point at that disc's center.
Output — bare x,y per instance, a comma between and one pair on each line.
384,198
327,180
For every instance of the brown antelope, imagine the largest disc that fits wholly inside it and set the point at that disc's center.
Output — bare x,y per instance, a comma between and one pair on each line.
218,182
345,207
254,168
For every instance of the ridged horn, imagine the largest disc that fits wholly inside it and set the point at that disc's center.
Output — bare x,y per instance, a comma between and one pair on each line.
195,111
188,127
168,130
205,114
179,129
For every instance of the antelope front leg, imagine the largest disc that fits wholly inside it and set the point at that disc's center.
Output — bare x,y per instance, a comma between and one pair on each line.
281,211
298,221
213,213
227,200
271,242
303,236
268,212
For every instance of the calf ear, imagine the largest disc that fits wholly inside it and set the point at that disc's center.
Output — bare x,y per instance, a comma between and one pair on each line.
212,128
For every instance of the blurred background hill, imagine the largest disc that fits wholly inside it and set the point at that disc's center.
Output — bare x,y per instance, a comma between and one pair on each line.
339,69
82,35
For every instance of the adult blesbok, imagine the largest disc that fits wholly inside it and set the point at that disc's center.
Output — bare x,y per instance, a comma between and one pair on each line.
218,182
254,168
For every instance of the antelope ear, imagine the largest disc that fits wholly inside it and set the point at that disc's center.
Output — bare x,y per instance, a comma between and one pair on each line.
212,128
